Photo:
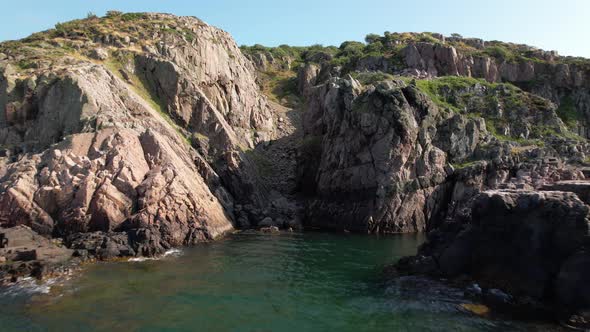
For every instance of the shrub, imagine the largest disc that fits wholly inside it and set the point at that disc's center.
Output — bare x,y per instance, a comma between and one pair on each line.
498,52
351,48
366,78
114,13
375,47
372,38
61,29
132,16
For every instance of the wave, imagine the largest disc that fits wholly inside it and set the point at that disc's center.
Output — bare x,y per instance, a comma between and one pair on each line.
31,286
171,252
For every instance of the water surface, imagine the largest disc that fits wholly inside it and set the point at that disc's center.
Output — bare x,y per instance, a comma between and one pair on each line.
251,282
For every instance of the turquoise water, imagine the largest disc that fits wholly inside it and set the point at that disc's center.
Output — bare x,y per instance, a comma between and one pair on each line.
251,282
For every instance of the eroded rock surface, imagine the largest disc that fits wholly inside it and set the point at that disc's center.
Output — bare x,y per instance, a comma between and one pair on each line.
131,140
529,243
25,253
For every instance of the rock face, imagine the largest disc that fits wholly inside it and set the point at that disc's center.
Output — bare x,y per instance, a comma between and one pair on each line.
25,253
378,158
529,243
104,145
379,170
119,172
555,81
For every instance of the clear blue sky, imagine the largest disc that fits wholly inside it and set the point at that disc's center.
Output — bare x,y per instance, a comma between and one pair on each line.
562,25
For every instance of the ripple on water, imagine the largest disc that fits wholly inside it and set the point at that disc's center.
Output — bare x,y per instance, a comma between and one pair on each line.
252,282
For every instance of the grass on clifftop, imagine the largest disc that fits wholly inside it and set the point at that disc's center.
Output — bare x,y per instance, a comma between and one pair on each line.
52,46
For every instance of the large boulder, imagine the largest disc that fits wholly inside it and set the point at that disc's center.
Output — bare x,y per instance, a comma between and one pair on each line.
24,252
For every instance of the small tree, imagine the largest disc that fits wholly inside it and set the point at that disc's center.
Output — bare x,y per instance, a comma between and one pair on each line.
375,47
91,15
114,13
61,30
456,35
372,38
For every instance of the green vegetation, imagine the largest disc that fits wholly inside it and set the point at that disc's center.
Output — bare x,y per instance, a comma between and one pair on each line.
465,164
460,95
263,164
65,38
438,90
116,64
280,87
373,77
568,113
390,46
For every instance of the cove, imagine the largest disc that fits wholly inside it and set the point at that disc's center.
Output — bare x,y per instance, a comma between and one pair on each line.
252,282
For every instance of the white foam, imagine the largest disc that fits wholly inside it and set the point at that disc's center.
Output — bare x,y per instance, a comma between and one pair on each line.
171,252
30,286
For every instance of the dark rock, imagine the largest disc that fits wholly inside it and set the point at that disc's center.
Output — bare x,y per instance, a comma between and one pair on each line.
26,253
497,298
580,188
571,286
473,291
525,242
271,230
266,222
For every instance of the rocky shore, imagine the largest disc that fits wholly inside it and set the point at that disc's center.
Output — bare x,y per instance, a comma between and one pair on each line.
520,251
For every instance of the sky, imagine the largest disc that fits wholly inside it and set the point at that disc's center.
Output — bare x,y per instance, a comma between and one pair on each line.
552,25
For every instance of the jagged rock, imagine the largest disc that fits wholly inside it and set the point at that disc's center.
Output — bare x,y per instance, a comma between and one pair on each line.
306,78
102,245
380,171
459,136
580,188
271,230
26,253
528,243
100,157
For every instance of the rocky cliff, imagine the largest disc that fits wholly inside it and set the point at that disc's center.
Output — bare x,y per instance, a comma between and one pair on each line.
400,132
124,124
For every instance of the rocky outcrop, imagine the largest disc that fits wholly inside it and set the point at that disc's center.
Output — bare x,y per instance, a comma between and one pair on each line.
531,244
104,145
580,188
128,169
379,158
25,253
378,169
555,80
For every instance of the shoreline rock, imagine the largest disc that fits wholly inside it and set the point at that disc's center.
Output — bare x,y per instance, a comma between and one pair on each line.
529,244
